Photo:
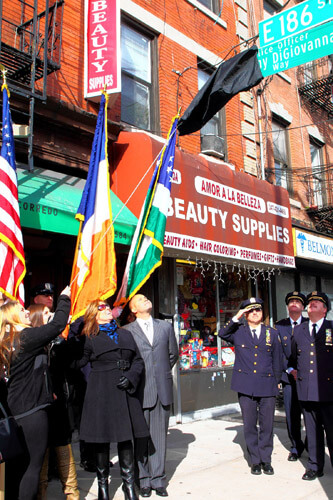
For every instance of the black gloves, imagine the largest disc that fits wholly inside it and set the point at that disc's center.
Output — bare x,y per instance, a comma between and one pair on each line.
124,383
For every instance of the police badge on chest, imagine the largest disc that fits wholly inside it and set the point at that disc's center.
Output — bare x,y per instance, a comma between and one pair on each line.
328,336
268,337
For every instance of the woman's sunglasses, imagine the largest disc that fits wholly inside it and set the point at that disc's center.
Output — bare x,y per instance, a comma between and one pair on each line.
102,307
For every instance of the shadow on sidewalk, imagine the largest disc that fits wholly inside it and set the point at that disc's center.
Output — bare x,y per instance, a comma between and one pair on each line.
177,449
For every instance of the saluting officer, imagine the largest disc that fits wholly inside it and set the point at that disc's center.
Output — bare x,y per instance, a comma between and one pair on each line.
256,375
296,302
312,356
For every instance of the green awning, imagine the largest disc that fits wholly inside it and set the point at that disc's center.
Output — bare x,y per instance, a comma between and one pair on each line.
49,201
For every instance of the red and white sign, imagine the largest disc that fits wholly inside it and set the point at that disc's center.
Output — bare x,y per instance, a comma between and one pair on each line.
102,64
214,211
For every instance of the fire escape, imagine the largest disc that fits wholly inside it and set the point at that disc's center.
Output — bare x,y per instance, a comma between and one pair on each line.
30,50
315,86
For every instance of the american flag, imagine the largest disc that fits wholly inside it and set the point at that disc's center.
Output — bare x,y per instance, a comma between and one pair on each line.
12,262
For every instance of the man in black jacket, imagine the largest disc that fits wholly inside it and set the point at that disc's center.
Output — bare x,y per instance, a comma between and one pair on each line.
312,356
296,302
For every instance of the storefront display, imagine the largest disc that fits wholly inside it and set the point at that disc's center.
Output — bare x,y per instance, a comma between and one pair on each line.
199,292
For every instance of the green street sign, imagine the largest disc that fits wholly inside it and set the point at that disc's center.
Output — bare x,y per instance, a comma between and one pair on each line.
297,49
295,20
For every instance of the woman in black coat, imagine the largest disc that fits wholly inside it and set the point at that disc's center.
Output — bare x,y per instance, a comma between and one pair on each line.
112,410
23,356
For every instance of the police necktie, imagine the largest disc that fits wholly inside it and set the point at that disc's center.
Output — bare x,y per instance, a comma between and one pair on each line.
254,333
314,331
293,326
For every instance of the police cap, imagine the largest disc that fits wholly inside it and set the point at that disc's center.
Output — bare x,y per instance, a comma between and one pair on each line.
43,289
319,296
252,303
295,296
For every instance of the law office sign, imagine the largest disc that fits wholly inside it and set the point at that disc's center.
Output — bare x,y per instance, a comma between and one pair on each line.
310,246
102,64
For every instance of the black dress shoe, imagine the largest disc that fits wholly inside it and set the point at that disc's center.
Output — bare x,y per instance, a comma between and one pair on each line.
293,457
161,492
310,474
268,469
145,492
256,469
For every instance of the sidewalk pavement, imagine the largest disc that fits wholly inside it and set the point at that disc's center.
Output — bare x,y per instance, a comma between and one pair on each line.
206,460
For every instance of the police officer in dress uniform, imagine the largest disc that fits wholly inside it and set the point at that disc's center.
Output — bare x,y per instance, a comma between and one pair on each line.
296,302
312,356
256,375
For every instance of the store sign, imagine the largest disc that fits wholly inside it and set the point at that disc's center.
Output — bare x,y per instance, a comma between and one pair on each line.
296,50
102,47
309,246
49,201
214,211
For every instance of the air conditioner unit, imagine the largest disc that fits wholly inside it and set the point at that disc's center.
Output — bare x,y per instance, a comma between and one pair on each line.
213,145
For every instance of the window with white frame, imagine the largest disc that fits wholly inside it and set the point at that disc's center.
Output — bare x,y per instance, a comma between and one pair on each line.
317,174
214,127
136,78
213,5
280,152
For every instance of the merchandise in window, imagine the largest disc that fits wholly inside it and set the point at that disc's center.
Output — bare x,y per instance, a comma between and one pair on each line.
198,318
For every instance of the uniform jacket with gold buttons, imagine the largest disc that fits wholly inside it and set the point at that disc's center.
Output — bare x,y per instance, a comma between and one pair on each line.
313,359
258,362
285,332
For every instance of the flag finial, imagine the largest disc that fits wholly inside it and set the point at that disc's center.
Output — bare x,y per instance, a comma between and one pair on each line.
4,73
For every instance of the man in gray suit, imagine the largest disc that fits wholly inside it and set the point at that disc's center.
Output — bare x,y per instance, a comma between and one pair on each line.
158,347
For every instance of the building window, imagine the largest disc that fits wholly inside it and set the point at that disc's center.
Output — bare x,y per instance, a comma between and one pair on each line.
318,179
270,8
212,131
136,78
280,152
213,5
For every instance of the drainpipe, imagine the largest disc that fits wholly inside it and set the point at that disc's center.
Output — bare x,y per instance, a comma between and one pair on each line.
262,162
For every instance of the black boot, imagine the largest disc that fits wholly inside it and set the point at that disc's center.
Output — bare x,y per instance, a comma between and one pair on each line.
126,464
102,451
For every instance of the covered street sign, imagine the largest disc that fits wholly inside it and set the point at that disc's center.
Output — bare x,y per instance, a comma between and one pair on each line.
295,20
297,49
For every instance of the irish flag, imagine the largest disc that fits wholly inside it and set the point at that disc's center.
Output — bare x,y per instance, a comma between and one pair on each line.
94,268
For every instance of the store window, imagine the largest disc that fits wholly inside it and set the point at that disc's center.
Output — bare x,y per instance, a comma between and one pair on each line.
211,132
318,179
137,106
213,5
281,154
284,283
327,287
206,300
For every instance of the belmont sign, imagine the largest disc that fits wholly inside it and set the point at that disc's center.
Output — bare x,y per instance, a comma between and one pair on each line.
102,65
310,246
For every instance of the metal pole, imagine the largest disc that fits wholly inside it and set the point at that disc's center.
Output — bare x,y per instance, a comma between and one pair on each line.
262,162
176,369
218,323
